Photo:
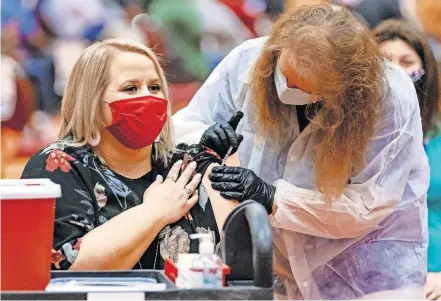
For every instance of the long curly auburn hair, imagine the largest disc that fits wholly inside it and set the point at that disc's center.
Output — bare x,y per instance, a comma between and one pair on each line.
329,44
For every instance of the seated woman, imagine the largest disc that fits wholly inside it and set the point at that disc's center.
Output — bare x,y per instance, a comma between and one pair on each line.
122,205
409,48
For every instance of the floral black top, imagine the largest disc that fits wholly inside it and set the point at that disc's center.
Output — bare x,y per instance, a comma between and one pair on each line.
92,194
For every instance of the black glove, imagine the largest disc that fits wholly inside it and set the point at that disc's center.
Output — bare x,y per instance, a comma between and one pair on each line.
219,137
237,183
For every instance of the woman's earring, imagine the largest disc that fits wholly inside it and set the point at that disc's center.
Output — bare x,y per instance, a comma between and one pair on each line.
96,140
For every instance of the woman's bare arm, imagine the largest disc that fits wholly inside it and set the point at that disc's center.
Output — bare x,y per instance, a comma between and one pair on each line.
221,206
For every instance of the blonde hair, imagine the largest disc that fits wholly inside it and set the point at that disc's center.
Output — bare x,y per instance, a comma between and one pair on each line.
82,108
327,42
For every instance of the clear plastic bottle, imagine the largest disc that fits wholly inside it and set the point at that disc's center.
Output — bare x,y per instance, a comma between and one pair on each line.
207,265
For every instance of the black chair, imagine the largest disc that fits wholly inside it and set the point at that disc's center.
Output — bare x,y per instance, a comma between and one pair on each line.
247,244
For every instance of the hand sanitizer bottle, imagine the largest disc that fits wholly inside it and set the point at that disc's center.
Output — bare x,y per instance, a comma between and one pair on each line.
207,264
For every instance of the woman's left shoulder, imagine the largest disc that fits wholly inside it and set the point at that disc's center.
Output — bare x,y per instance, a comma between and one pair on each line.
56,156
76,152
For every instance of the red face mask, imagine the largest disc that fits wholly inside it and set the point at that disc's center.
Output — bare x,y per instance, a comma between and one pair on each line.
137,122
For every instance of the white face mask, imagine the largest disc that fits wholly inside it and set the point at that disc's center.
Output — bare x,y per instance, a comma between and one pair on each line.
291,96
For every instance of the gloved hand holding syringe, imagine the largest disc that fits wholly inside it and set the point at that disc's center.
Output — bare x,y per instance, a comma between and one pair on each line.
221,207
217,137
220,137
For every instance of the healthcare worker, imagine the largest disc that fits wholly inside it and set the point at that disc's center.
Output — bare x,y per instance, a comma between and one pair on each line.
332,147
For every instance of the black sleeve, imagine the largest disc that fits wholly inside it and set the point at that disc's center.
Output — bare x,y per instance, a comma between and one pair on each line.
74,210
202,155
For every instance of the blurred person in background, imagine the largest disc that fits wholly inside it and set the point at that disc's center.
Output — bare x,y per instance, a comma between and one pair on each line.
332,148
247,11
373,12
221,34
181,29
17,101
49,37
32,52
274,8
292,5
408,47
426,14
190,40
429,17
73,25
196,41
429,14
257,15
404,45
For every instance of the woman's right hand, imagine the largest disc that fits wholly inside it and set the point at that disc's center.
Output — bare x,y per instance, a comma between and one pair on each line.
173,198
219,137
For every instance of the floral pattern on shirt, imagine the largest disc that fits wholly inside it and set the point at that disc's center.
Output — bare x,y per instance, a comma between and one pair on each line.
77,245
57,257
81,222
117,187
172,242
92,194
100,195
69,252
58,159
